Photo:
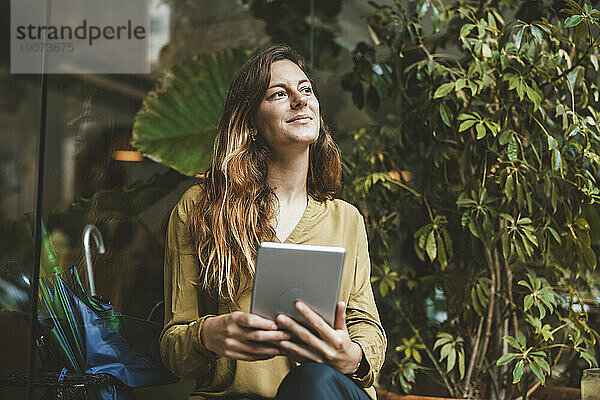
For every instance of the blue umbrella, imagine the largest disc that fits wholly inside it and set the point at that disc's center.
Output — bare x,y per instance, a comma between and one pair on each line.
111,343
122,346
93,337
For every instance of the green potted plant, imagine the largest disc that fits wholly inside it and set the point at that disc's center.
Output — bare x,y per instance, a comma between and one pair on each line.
479,180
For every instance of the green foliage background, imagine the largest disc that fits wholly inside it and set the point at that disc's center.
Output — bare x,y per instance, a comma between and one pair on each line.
479,178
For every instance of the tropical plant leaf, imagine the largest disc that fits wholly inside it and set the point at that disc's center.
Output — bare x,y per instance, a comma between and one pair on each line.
444,90
178,121
431,246
518,371
506,358
446,114
573,20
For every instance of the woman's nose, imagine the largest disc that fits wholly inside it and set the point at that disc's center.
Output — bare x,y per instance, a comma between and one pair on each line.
299,101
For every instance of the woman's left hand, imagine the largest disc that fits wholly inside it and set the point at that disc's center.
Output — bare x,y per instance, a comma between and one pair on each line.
333,347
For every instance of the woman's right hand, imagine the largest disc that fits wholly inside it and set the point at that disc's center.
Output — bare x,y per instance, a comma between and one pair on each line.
242,336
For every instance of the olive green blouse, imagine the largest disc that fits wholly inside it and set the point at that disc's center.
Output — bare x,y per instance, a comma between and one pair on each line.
332,223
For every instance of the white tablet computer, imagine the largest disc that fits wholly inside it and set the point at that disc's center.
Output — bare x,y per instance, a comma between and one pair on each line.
289,272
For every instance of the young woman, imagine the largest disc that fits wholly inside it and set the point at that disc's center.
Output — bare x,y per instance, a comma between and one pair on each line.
274,173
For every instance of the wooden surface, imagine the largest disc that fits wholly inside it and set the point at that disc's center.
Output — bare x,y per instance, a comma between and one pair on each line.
543,393
383,395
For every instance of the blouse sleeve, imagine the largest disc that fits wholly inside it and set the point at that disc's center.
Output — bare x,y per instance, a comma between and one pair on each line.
186,309
362,317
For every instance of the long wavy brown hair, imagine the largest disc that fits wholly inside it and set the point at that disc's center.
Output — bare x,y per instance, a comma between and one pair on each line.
232,216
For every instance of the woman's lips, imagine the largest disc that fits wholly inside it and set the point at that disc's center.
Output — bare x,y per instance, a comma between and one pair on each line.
300,120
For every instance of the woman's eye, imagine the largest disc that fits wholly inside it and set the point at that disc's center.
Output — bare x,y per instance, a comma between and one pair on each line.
277,95
306,89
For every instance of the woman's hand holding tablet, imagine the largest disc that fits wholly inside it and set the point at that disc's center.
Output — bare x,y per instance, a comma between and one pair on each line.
242,336
333,345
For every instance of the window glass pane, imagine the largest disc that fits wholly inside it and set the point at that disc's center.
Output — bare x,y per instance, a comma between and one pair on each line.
19,132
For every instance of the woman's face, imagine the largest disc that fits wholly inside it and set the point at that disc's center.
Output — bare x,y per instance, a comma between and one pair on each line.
289,112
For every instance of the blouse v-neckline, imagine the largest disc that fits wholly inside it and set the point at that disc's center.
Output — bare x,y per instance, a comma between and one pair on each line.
300,225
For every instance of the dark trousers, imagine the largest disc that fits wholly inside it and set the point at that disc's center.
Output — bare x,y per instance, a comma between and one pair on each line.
315,381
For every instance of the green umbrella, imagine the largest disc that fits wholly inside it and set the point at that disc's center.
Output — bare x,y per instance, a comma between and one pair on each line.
55,307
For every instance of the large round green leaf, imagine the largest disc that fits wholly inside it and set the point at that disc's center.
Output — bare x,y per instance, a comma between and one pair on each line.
178,121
